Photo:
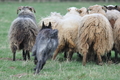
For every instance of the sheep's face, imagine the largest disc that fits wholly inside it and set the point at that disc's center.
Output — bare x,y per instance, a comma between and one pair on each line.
97,9
25,8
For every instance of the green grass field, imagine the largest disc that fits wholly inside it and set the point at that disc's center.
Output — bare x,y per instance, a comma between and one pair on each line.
53,70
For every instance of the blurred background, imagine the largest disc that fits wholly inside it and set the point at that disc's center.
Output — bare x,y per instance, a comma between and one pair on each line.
58,0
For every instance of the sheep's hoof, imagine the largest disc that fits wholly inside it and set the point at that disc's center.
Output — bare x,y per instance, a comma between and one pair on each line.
100,64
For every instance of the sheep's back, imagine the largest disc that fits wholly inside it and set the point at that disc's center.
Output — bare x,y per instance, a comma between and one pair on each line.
22,33
95,31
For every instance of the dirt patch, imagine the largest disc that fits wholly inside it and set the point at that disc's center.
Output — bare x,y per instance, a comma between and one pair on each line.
19,75
10,59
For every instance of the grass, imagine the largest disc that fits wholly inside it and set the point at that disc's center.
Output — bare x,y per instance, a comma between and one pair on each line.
53,70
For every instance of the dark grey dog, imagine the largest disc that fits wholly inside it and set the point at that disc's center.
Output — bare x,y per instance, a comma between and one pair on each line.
45,45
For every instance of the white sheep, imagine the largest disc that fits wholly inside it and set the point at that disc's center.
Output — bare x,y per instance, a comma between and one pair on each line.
69,26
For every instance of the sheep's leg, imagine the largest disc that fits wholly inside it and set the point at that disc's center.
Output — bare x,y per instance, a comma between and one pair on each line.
65,54
99,59
69,55
28,54
109,56
14,56
56,51
116,55
24,55
84,58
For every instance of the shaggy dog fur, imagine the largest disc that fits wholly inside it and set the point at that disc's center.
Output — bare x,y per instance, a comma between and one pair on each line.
23,31
45,45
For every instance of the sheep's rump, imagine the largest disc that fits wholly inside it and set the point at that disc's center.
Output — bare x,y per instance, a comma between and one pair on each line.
22,34
116,34
95,31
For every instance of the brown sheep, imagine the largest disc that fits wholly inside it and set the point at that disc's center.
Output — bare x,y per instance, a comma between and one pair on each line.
95,34
23,31
116,35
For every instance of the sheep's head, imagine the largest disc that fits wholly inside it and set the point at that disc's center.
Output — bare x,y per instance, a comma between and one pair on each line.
83,11
112,7
72,9
97,9
56,14
26,8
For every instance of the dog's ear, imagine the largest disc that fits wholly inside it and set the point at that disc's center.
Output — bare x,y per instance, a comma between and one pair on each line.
50,25
43,25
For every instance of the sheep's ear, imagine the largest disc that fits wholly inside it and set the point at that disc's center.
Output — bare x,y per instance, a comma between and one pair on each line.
79,10
19,8
68,9
105,6
90,8
116,6
32,9
104,9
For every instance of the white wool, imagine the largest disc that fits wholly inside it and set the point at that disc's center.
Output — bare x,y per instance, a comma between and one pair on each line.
54,18
112,14
110,6
71,12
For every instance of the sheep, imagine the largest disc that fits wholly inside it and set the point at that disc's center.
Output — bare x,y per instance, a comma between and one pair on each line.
45,44
23,31
112,15
94,34
55,19
68,32
116,35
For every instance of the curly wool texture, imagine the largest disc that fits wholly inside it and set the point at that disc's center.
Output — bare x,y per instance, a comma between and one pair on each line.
22,33
116,34
95,31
